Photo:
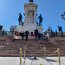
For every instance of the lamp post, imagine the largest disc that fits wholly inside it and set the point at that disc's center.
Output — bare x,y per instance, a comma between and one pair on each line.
59,27
63,16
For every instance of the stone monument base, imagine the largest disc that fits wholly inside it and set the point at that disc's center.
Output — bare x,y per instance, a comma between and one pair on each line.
29,26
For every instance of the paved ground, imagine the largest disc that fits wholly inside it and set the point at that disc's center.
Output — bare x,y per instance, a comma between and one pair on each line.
31,61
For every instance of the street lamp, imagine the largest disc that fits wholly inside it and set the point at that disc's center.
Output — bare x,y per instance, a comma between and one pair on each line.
59,27
63,16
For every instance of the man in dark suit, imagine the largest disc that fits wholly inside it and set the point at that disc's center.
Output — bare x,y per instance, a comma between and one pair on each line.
36,34
22,35
26,34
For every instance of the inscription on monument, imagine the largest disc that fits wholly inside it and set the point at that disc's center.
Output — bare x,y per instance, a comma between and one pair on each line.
31,16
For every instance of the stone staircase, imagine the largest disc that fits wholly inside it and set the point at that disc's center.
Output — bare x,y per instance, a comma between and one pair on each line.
37,49
33,48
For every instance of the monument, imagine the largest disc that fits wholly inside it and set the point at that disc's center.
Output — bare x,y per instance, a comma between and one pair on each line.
30,22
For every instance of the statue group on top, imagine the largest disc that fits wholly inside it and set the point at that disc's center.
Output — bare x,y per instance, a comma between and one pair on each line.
21,23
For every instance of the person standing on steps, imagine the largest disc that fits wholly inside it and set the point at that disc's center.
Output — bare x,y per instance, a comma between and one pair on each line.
22,35
36,34
26,35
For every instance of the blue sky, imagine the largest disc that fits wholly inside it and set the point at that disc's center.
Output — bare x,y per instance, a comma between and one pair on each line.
51,11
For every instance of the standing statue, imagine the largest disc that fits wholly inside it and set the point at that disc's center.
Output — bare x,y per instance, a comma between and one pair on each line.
20,19
40,19
30,0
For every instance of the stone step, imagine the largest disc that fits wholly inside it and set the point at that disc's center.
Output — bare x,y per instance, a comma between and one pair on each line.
13,47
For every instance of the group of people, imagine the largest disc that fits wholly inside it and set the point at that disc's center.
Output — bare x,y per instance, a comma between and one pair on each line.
37,35
26,33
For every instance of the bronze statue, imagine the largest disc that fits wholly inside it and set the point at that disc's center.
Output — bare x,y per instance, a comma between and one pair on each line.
30,0
40,19
20,19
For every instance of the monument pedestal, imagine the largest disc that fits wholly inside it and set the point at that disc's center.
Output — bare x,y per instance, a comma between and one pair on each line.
30,27
40,28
